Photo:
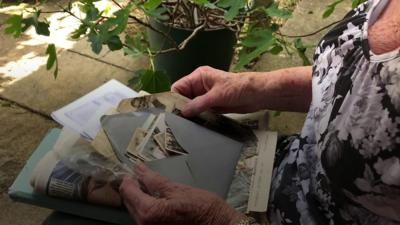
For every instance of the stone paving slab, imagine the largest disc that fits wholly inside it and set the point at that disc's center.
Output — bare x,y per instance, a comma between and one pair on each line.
77,76
25,80
20,134
113,57
15,213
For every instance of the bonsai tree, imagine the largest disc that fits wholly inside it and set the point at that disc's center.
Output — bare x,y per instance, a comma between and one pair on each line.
256,28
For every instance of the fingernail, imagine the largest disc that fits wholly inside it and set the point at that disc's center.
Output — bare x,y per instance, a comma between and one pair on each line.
140,168
173,89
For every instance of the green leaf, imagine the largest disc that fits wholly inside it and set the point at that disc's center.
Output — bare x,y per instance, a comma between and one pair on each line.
114,43
42,28
210,5
301,51
116,24
276,50
233,7
135,45
28,22
152,4
274,27
14,25
274,11
120,20
92,13
131,51
201,2
80,31
160,13
52,59
356,3
257,43
153,81
257,37
51,51
108,31
96,42
331,8
134,82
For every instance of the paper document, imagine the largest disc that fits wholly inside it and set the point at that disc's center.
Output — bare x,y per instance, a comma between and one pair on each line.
83,115
259,193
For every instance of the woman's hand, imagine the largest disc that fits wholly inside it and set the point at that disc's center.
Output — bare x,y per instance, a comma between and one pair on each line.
286,90
217,89
166,202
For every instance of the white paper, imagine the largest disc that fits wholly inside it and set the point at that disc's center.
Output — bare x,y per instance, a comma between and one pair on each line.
92,126
83,115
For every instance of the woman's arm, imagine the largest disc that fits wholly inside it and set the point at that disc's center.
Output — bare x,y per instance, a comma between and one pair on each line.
283,90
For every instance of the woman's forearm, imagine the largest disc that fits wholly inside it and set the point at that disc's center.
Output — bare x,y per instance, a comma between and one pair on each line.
282,90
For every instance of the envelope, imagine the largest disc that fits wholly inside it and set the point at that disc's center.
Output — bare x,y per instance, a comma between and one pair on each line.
211,160
119,129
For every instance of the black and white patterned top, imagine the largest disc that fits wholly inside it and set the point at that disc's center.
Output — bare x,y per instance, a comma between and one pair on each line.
344,168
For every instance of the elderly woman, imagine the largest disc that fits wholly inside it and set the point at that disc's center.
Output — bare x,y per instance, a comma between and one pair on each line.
344,167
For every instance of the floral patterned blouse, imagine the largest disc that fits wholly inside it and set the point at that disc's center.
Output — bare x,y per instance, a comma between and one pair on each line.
344,167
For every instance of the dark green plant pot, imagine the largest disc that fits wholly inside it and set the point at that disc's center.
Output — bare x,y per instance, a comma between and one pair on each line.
211,47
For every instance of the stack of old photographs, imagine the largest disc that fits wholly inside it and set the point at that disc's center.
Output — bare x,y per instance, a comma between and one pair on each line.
139,131
154,140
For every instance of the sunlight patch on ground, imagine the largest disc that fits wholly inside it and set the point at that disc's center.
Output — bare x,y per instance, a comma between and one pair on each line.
26,65
14,9
61,26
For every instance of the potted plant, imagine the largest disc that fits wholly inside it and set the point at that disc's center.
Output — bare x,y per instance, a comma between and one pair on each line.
177,35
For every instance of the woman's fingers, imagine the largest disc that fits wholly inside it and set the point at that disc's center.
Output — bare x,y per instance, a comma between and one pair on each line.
190,85
194,84
151,181
200,104
134,198
182,87
182,204
144,208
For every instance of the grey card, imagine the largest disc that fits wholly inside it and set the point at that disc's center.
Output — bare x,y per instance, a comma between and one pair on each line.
212,156
174,168
119,129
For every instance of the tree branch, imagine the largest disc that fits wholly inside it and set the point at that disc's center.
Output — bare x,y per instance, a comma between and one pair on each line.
116,3
183,44
70,13
139,21
309,34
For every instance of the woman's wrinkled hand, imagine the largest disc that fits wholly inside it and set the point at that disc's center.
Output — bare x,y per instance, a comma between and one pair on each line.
222,91
159,201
